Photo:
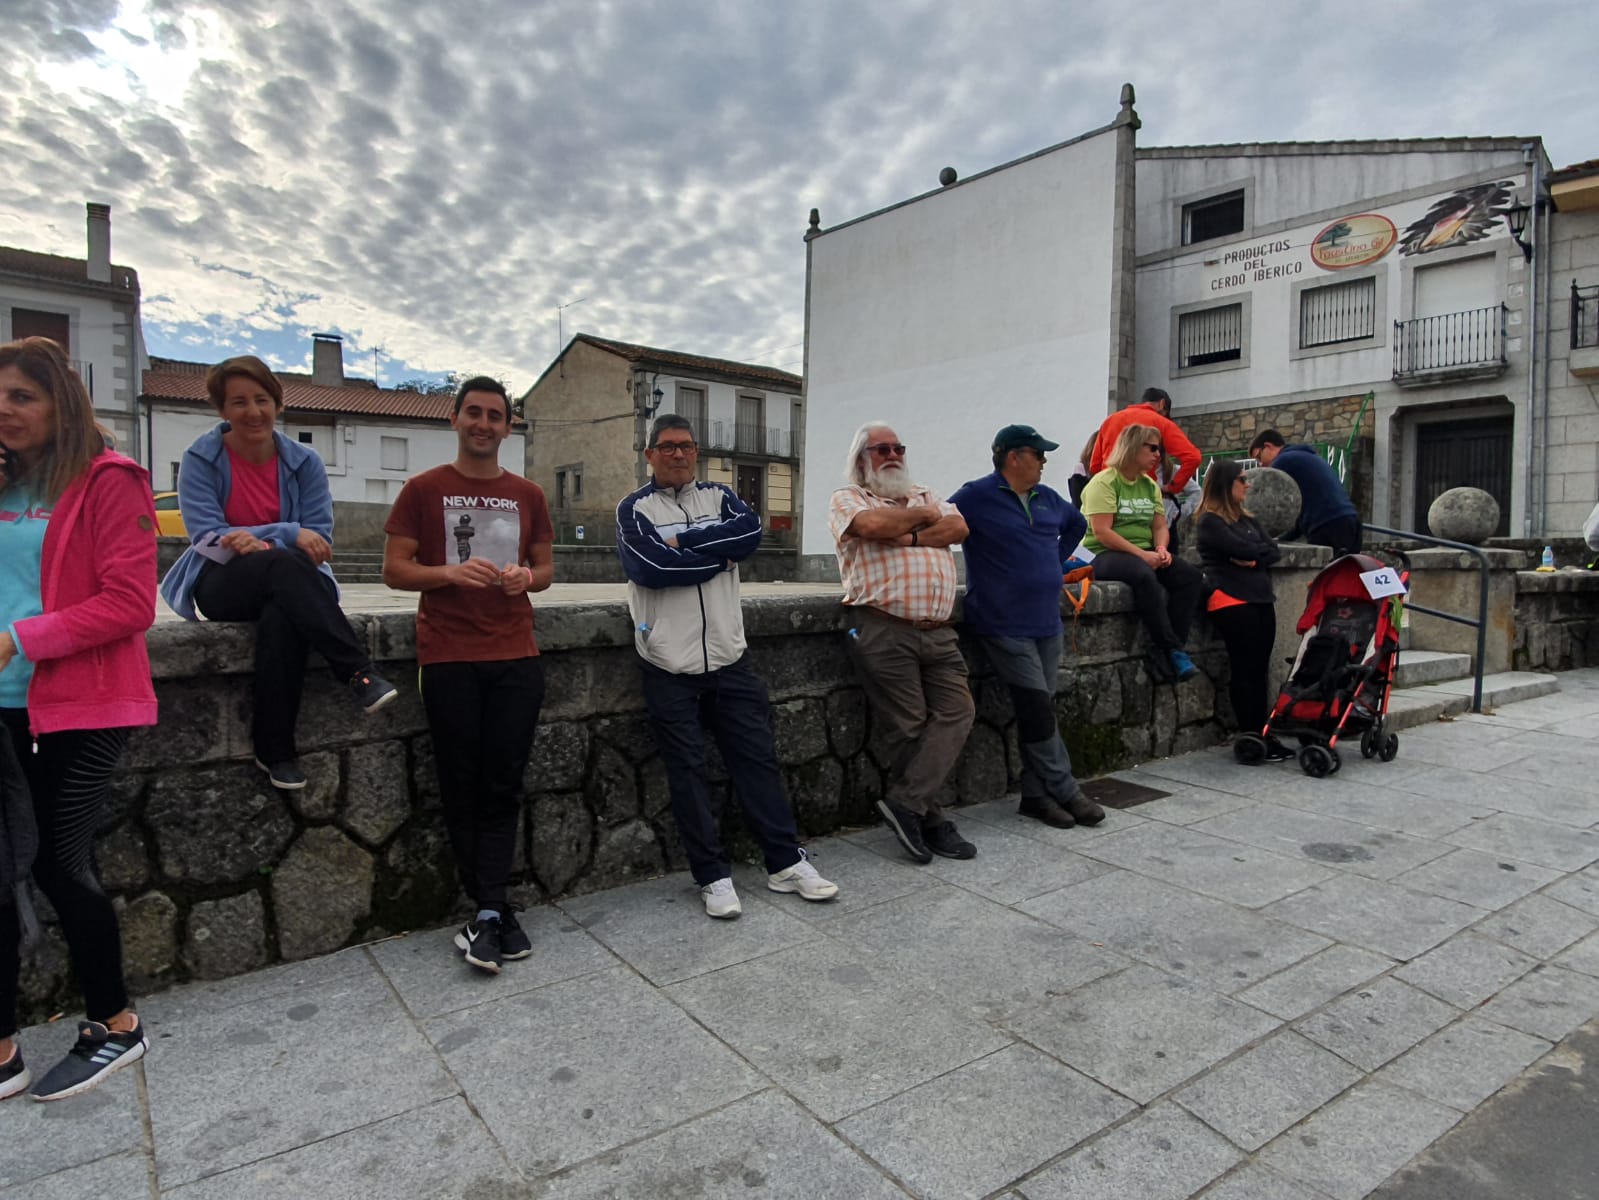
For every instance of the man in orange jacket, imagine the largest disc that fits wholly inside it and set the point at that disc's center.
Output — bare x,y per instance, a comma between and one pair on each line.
1153,408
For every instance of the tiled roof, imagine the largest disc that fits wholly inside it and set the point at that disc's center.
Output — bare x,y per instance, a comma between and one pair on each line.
68,270
1582,168
170,379
692,362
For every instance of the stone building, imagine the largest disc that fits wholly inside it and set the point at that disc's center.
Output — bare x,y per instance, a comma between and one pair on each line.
590,413
1569,437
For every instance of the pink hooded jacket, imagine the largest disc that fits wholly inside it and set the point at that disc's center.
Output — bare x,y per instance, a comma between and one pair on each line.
97,587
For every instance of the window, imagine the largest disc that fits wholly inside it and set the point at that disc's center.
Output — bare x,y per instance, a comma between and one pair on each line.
393,451
166,504
1213,217
577,486
560,489
750,414
1338,312
1210,335
305,437
175,467
26,322
691,407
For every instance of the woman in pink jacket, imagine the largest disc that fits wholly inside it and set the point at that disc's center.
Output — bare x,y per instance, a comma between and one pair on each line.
77,592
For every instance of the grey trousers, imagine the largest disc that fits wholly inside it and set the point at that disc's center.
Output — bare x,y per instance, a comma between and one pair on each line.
1029,667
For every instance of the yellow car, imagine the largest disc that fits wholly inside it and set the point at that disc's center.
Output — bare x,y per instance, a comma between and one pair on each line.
168,517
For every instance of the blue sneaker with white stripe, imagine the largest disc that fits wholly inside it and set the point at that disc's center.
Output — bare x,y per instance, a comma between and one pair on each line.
98,1052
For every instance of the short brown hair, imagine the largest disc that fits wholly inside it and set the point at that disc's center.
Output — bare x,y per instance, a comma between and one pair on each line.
1266,437
76,439
252,368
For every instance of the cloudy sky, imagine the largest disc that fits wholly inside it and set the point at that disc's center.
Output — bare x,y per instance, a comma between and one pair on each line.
433,180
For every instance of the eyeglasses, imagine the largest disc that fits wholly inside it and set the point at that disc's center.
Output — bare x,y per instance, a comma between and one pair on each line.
888,449
674,448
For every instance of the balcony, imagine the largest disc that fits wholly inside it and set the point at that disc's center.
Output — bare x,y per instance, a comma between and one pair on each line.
1585,331
1450,346
761,441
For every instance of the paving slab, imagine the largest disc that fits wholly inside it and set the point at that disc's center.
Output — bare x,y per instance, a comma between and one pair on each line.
659,928
1503,793
1357,1141
1467,969
867,879
1188,802
1465,1063
1378,916
1211,866
975,954
1254,1097
1539,925
1580,891
1002,815
1009,867
287,979
1254,1181
1381,807
1464,751
432,976
1584,956
1162,1154
440,1150
1347,845
1142,1031
120,1177
984,1125
1219,771
1547,1002
1373,1024
763,1145
1486,881
1307,985
1529,840
1217,944
243,1082
838,1035
561,1074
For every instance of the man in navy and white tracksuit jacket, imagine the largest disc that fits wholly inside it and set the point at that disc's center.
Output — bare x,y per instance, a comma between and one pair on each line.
680,542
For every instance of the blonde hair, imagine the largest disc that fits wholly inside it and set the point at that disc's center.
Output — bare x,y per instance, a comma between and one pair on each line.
1124,456
76,439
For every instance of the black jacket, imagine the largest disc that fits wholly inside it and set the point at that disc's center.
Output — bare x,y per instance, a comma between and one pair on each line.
1220,542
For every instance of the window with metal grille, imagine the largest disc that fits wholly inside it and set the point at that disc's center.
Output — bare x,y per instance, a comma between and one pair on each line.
1214,217
1338,312
1211,335
691,407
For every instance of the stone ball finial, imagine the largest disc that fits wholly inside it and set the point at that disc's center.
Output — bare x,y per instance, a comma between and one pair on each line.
1464,514
1128,98
947,176
1273,500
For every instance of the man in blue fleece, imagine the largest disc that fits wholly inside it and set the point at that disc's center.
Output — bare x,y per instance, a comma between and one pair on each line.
1327,517
1020,534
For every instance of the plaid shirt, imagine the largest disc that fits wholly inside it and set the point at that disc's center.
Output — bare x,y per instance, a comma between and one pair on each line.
914,582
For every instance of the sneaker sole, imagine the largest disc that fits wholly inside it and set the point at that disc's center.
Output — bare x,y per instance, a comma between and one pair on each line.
957,855
493,968
518,956
16,1084
785,889
899,832
77,1089
381,701
282,787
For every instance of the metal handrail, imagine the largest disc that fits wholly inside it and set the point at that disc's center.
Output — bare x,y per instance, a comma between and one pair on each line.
1481,620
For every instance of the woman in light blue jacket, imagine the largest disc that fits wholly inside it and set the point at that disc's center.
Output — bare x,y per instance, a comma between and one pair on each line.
260,522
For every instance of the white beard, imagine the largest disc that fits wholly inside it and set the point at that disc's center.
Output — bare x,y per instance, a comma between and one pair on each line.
891,481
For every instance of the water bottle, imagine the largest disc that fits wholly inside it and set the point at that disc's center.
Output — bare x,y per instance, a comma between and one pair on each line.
1548,563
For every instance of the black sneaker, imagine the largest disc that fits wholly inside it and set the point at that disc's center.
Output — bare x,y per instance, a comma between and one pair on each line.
1042,808
480,941
943,839
286,776
372,691
907,827
1277,752
14,1076
514,942
98,1052
1083,810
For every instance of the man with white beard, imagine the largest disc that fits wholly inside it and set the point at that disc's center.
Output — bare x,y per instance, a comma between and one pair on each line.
893,541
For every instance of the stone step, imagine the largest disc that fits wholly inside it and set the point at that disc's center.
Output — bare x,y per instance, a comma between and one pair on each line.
1418,667
1409,707
348,574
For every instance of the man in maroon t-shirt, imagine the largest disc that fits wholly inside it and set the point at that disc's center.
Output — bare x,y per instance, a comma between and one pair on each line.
482,683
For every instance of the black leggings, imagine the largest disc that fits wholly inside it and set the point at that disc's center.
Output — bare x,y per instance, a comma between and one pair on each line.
1249,630
1166,598
68,776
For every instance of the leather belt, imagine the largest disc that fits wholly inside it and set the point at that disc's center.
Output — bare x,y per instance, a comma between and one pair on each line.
914,623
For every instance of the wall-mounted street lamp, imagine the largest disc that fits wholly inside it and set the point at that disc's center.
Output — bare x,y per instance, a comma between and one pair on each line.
1516,217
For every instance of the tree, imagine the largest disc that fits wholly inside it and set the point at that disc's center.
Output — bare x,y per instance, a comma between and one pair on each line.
1336,234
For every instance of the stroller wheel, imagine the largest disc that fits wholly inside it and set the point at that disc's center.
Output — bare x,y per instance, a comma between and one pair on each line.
1316,761
1337,762
1250,749
1389,748
1368,744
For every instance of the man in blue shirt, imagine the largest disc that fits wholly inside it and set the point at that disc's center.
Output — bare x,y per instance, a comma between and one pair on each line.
1021,533
1327,517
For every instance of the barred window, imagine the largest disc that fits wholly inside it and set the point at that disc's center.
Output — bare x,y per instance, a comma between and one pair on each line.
1338,312
1211,335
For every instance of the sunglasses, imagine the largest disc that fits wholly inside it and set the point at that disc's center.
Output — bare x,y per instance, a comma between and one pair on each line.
888,449
1155,446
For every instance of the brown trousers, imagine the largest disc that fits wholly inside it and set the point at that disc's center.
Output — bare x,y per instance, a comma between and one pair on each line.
915,680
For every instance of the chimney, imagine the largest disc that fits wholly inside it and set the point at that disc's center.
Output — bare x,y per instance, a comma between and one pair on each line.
327,359
99,243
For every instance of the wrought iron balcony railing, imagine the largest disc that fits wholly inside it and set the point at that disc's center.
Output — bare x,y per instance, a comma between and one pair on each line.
1470,342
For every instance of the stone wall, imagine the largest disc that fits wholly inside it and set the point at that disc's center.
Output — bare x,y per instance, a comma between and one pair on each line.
216,873
1557,620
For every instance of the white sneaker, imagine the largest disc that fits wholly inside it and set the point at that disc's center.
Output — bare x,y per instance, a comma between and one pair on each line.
802,878
721,901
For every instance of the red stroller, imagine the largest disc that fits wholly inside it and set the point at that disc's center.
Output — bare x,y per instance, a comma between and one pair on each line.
1343,674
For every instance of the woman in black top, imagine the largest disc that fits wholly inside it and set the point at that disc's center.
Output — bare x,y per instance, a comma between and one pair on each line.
1237,554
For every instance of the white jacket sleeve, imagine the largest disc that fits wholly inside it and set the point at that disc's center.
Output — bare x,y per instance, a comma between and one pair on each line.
1590,529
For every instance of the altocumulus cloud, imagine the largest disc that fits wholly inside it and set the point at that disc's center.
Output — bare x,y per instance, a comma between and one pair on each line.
436,179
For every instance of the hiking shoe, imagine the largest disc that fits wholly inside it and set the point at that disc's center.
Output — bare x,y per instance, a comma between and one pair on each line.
804,879
1083,810
286,776
14,1076
480,941
907,827
98,1052
721,901
514,942
371,691
944,840
1182,666
1042,808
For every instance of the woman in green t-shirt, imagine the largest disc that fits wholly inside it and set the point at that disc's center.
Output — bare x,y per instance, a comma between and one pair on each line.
1128,535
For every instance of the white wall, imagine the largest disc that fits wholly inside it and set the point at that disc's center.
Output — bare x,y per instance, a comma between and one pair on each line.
96,338
960,312
721,402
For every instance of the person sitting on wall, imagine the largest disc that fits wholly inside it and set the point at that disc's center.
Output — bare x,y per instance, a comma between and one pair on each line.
680,542
1020,534
1128,535
260,520
1153,408
893,539
1327,516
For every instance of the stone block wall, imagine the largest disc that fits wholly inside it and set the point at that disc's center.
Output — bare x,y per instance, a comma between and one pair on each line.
1557,620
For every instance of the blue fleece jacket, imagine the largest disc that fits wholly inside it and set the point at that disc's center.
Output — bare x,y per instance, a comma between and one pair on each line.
1014,552
205,481
1321,497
